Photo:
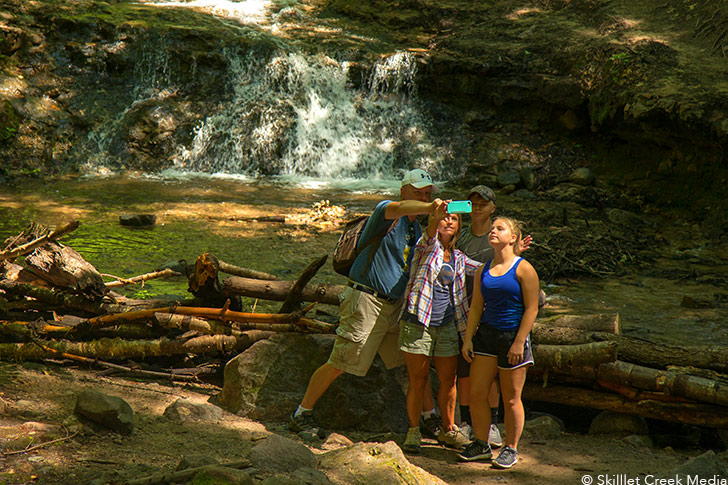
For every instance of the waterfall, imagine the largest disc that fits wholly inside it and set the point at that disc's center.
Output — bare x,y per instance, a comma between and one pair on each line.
264,108
298,114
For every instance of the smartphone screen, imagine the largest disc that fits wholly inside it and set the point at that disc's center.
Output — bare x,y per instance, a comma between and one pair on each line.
459,207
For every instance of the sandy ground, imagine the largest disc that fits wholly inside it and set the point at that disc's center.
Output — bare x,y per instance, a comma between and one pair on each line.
46,394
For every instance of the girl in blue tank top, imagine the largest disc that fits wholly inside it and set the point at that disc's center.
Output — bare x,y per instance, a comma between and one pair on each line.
498,339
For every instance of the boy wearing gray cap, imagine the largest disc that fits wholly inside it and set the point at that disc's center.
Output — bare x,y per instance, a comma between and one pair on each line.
474,243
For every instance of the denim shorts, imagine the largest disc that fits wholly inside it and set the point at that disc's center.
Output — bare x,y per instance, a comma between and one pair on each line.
441,341
496,343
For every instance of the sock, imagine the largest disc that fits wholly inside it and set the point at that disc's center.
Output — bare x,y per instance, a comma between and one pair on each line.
493,415
300,410
465,414
428,414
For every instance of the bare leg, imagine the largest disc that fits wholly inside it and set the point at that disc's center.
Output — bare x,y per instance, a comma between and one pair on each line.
446,368
512,382
319,382
464,391
428,403
418,371
482,373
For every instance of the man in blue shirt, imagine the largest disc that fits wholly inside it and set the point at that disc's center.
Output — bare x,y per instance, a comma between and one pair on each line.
371,305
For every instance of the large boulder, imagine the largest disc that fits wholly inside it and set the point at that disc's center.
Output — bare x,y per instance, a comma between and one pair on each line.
365,463
277,453
268,380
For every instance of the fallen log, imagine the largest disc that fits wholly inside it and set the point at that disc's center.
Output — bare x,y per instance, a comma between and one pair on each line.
122,368
110,349
245,272
53,297
211,313
294,295
212,327
574,355
652,354
548,335
598,322
696,388
278,290
706,415
165,273
26,248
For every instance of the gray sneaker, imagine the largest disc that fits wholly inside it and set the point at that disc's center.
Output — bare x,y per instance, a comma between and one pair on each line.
454,438
305,422
468,431
494,436
413,441
506,458
477,450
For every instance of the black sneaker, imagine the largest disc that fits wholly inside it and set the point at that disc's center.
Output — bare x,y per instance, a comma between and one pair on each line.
506,458
477,450
305,422
430,427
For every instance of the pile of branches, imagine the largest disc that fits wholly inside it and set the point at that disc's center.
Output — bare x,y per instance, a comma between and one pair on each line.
57,305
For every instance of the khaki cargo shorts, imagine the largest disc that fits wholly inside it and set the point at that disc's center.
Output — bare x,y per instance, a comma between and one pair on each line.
367,325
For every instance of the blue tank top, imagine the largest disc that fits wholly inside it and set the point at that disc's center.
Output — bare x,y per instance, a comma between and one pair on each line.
502,298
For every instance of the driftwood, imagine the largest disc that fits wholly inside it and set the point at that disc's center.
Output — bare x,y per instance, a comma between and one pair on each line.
141,278
293,297
278,290
14,252
706,415
186,474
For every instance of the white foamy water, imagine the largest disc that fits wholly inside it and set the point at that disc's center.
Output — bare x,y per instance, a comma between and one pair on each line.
300,115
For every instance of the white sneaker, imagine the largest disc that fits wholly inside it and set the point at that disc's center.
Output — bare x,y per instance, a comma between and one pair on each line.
468,431
494,436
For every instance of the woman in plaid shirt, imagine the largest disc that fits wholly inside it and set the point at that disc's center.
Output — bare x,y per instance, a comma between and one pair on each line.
435,311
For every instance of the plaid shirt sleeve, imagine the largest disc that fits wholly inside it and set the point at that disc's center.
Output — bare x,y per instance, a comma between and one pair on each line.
426,261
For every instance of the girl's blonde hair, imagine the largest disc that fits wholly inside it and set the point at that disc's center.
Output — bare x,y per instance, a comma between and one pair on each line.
516,228
451,245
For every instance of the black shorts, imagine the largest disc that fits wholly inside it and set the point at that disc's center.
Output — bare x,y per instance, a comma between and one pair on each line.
496,343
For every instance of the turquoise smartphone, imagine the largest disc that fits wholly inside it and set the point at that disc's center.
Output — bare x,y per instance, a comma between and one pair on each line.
460,207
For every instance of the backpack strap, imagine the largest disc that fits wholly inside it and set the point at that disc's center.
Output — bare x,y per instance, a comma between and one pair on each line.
377,237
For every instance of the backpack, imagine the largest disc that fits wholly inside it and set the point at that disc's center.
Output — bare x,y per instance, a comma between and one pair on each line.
345,251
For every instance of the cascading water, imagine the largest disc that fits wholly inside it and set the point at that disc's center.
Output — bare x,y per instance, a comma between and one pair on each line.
297,114
276,110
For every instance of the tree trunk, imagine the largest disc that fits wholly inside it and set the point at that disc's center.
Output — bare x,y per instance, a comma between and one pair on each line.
278,290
